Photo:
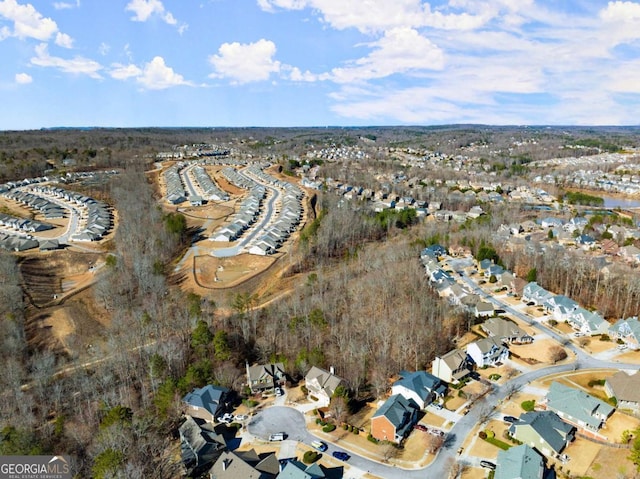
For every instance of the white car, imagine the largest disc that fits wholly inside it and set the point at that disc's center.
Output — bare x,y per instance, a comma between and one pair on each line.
240,417
227,418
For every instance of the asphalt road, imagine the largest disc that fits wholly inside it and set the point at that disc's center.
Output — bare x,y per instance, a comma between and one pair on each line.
265,218
279,419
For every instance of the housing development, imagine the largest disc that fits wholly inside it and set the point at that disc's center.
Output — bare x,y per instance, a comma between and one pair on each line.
328,303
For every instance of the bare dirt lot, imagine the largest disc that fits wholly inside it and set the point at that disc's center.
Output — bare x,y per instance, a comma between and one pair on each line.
214,272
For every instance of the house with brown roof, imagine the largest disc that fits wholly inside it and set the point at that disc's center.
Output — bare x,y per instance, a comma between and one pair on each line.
625,388
506,331
321,385
265,377
452,366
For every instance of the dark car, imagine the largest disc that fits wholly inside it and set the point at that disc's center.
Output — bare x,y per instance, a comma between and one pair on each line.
343,456
421,427
509,419
488,465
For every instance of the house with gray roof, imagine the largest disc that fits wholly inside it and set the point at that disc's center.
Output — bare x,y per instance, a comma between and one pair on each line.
422,387
207,402
535,293
245,465
506,331
452,366
521,462
587,322
544,431
628,330
394,420
265,377
577,407
321,385
487,352
200,446
560,306
626,389
483,309
298,470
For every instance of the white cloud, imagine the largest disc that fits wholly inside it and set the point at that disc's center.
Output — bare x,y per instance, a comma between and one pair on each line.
123,72
621,12
144,9
245,63
401,50
64,40
158,76
27,21
380,15
77,65
23,78
621,23
66,5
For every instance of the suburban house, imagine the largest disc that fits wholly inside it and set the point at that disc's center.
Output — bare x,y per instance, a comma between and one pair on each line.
422,387
587,322
544,431
245,464
483,309
506,331
298,470
628,330
577,407
610,247
265,377
534,293
521,462
630,253
487,352
507,280
626,389
455,294
551,222
452,366
560,306
494,270
394,420
321,385
207,402
200,446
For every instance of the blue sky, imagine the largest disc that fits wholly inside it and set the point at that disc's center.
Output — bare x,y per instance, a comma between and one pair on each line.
127,63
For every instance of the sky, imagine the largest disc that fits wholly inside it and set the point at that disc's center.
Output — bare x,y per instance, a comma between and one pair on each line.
133,63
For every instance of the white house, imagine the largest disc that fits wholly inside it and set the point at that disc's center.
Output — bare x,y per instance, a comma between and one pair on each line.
487,352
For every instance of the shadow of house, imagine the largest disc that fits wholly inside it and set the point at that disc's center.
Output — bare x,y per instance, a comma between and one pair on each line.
200,446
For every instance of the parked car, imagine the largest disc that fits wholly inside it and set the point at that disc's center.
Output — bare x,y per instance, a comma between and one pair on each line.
343,456
421,427
227,418
279,392
319,445
240,417
437,405
488,465
436,432
509,419
277,436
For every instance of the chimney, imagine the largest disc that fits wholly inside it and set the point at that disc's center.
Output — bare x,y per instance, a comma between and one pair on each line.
225,464
332,370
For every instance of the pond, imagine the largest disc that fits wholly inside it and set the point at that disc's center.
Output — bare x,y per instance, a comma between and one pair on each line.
613,202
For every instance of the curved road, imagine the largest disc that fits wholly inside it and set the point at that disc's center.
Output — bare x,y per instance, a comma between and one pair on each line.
478,412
